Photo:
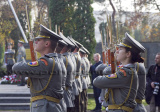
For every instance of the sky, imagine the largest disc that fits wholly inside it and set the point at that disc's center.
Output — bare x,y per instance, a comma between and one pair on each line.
127,5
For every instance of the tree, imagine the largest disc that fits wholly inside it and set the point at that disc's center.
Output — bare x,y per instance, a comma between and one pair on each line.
61,13
84,25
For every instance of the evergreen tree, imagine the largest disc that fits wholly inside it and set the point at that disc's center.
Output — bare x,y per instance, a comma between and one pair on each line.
84,25
61,12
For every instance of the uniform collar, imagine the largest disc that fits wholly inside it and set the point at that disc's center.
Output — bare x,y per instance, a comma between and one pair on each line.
51,55
130,65
66,53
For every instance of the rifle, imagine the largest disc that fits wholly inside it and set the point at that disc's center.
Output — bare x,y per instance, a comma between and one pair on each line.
110,51
31,43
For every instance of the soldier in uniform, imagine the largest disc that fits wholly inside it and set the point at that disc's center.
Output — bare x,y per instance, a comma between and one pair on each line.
9,57
141,71
21,56
84,82
77,56
122,85
45,73
68,93
61,45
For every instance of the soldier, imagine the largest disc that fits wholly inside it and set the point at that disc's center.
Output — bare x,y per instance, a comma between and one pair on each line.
84,82
68,93
141,71
45,73
87,66
87,78
122,85
21,57
78,74
9,57
61,45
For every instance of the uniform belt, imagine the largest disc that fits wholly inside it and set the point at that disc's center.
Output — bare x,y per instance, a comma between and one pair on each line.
66,88
117,107
77,76
49,98
138,101
9,58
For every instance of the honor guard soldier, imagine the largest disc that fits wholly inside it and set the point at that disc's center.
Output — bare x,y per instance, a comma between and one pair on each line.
122,85
141,71
21,56
78,74
87,78
87,66
9,57
68,93
61,45
45,74
84,82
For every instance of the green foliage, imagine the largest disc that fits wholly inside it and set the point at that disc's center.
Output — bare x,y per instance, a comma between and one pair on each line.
61,13
84,25
75,18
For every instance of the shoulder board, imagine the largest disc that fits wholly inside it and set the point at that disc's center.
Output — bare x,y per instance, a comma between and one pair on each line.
123,71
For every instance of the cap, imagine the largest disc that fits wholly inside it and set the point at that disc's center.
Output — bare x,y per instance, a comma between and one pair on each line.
62,42
85,50
131,43
47,33
82,51
79,44
73,41
66,40
20,41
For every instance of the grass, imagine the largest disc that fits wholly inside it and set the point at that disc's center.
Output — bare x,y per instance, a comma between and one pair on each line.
90,90
92,104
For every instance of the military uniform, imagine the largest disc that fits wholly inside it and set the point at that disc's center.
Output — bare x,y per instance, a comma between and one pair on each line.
69,79
9,55
45,78
141,88
122,85
64,75
78,81
84,84
21,54
21,57
71,87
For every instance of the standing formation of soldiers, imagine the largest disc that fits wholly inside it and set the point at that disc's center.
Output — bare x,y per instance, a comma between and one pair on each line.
58,80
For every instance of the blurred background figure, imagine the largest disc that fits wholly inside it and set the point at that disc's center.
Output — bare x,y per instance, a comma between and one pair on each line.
153,83
9,58
21,56
96,90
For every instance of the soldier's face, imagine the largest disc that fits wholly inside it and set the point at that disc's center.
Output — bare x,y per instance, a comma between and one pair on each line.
39,45
157,59
121,54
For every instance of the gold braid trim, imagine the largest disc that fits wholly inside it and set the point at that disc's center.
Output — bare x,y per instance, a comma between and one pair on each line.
43,36
126,45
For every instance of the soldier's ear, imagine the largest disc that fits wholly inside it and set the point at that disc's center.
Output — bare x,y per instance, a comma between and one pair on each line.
47,43
128,54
